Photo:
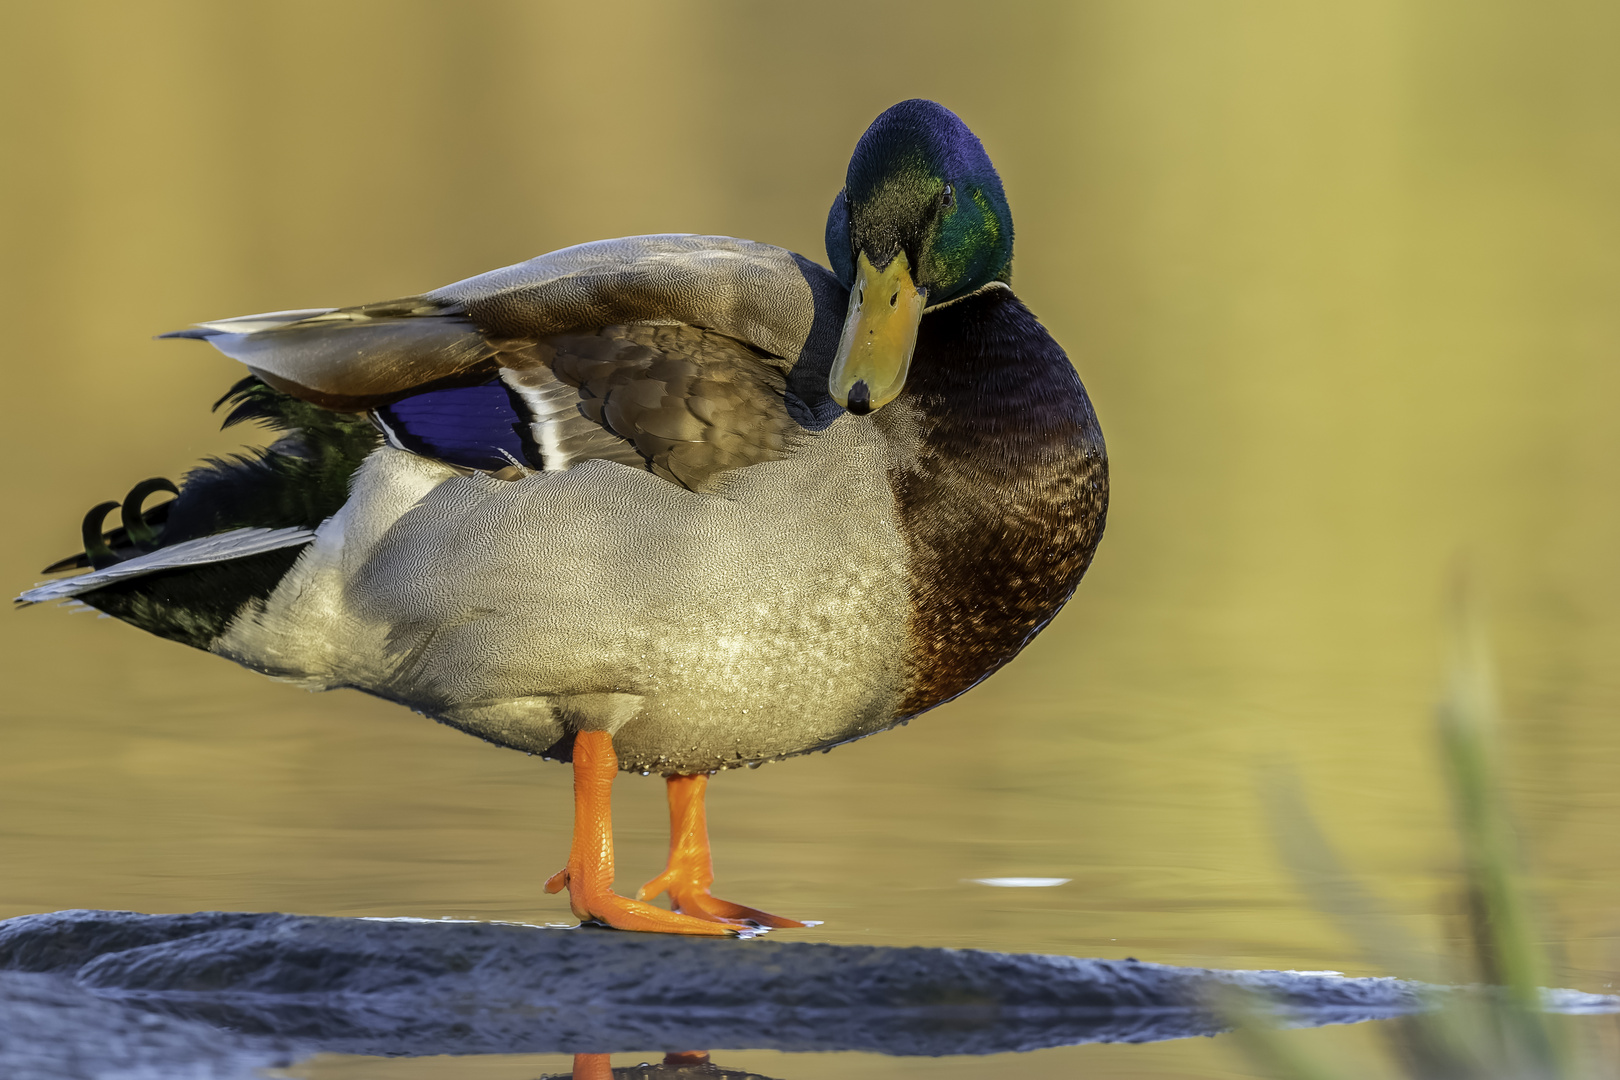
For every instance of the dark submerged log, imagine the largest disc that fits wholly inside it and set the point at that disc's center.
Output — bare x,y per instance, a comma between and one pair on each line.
240,990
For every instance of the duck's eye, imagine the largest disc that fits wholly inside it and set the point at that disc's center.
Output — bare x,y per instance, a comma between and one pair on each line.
947,198
894,300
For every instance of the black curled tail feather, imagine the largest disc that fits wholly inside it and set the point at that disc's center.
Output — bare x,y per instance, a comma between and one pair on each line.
299,481
141,530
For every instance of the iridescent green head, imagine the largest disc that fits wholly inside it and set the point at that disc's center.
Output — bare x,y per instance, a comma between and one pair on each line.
922,219
920,182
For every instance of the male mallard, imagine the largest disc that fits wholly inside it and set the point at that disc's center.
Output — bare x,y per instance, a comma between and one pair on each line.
640,504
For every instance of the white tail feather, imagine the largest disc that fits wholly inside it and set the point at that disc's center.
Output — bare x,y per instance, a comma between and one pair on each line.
222,547
269,320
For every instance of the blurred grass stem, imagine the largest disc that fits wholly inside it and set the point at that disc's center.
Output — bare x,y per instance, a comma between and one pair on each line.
1497,1028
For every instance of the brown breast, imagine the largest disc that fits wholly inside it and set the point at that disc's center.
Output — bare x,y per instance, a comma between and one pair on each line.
1001,478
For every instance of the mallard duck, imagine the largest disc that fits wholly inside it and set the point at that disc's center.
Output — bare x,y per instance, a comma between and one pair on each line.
667,504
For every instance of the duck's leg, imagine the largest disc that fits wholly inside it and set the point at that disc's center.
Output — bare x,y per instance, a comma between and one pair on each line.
691,867
588,877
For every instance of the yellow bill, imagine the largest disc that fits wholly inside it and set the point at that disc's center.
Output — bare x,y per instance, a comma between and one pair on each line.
880,334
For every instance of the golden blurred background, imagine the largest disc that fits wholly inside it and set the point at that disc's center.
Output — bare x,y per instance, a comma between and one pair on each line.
1343,280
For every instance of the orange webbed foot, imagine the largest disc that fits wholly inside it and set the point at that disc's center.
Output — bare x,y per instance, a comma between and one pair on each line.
692,898
588,877
622,913
691,869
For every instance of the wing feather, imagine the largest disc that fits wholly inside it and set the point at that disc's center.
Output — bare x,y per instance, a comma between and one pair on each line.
694,404
670,352
354,358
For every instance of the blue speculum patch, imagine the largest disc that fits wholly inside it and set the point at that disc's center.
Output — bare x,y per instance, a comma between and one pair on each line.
477,427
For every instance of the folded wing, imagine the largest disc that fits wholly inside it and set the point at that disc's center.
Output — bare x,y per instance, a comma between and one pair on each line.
671,353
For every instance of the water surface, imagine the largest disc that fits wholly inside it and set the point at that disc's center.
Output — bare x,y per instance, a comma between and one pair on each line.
1342,283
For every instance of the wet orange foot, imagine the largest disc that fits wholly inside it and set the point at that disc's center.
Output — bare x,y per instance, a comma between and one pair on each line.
691,868
588,877
600,1066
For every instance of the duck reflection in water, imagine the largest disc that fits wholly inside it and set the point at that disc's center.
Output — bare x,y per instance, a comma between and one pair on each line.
684,1064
